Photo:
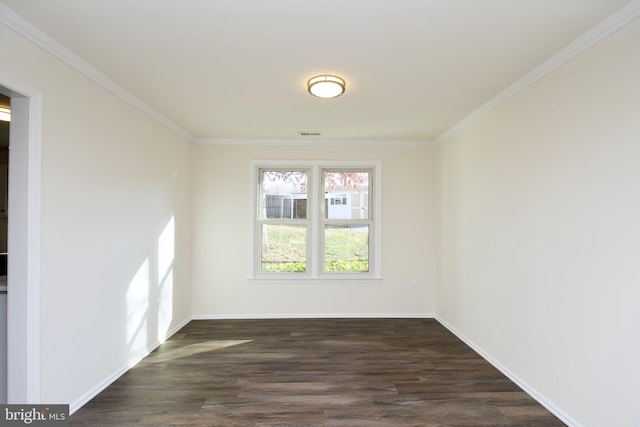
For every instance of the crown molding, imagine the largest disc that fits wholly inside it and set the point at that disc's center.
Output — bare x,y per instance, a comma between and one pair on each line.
601,31
32,33
598,33
313,142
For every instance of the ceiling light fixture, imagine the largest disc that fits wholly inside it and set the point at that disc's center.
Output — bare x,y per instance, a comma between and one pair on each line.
326,86
5,114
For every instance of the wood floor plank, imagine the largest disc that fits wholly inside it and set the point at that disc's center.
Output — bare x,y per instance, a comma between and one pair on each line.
314,372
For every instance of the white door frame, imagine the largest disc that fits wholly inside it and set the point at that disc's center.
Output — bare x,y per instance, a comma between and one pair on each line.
24,242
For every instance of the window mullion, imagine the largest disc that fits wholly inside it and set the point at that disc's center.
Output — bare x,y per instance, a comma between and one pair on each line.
322,219
314,226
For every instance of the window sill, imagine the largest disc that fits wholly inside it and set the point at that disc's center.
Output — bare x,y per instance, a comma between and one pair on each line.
315,280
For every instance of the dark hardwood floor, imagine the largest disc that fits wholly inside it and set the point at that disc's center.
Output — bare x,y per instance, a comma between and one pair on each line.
317,372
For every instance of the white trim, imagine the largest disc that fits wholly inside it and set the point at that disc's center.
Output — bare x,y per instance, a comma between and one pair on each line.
314,211
285,316
303,142
377,220
355,279
539,397
80,402
34,218
253,224
311,163
32,33
24,353
598,33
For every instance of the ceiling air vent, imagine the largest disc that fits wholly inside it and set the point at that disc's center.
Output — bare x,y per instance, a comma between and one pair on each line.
309,133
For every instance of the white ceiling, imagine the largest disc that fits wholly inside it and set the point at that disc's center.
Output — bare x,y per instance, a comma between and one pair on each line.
236,69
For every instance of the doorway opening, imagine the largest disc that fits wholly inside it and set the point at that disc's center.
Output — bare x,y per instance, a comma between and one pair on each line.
5,122
22,342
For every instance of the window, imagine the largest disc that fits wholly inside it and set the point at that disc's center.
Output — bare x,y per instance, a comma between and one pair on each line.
316,220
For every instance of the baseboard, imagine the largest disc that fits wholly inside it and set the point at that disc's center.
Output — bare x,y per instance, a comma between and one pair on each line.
314,316
539,397
79,403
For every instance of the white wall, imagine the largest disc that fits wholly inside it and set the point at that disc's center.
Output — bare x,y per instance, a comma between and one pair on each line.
115,226
540,247
221,235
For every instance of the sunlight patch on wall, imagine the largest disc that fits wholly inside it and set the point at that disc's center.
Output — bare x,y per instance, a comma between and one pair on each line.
166,249
166,254
137,309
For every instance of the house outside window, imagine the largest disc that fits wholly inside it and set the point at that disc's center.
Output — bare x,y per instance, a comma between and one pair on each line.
316,220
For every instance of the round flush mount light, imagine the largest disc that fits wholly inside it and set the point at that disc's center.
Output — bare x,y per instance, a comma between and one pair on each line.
326,86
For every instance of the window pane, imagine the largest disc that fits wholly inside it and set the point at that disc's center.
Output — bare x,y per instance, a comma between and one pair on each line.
283,194
346,248
284,248
346,194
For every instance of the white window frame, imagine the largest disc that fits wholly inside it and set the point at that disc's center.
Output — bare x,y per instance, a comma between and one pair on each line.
316,220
